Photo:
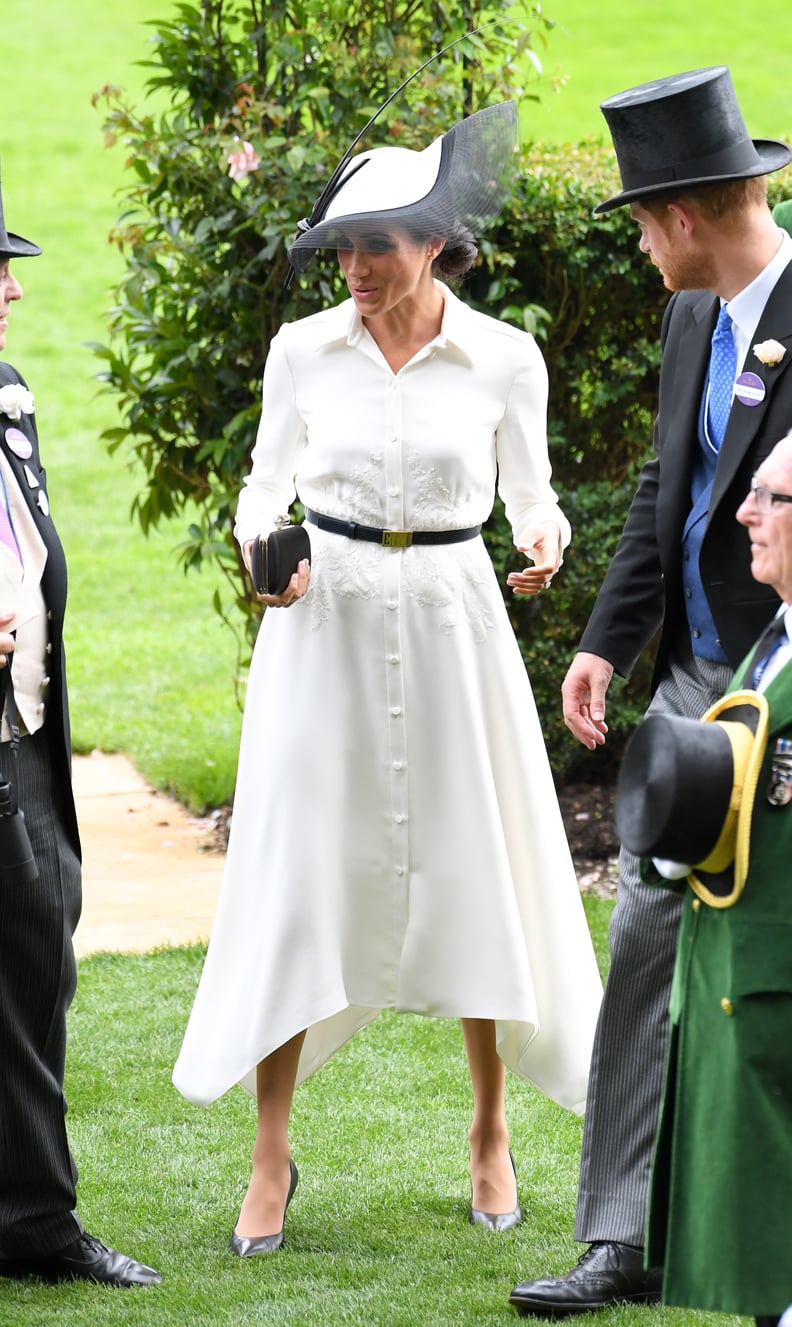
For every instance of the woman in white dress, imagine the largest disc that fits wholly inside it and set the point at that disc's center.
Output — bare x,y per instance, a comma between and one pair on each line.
396,839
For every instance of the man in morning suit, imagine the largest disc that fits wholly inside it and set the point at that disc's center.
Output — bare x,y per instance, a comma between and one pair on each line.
693,179
40,1233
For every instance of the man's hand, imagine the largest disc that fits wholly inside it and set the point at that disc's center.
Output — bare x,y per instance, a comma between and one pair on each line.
6,639
583,694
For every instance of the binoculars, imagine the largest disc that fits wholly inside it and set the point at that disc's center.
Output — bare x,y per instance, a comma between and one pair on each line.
17,863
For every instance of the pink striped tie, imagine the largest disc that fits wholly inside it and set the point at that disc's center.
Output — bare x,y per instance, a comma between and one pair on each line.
7,535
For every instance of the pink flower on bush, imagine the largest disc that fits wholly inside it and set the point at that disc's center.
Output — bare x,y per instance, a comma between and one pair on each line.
243,161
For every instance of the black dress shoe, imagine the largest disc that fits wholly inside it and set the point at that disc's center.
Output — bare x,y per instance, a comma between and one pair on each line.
247,1246
498,1220
85,1259
607,1273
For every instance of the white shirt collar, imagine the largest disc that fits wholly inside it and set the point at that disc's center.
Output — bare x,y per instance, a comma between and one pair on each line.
747,307
457,330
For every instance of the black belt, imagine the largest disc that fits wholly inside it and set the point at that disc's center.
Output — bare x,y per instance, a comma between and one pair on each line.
390,538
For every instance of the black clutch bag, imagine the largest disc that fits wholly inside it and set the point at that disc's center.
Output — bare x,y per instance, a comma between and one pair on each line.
274,557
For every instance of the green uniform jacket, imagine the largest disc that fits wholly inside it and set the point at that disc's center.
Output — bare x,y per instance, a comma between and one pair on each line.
720,1209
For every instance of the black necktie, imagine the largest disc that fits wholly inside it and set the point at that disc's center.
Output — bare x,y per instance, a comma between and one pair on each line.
769,641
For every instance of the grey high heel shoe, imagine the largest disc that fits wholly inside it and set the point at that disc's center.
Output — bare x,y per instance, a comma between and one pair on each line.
248,1246
498,1220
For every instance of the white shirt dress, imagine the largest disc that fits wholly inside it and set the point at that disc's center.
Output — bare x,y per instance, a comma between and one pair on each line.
396,840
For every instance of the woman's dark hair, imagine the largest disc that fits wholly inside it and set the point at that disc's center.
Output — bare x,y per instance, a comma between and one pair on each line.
458,255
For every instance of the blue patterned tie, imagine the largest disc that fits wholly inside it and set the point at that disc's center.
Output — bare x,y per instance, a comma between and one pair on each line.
723,369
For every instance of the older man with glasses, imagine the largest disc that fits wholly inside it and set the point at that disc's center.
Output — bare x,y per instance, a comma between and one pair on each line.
720,1210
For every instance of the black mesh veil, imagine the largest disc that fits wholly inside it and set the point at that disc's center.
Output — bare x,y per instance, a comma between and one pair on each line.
461,179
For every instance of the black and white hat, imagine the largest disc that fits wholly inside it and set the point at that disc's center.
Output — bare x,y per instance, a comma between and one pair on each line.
462,178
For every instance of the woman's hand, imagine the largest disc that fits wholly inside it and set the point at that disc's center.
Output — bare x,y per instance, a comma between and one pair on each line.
296,588
544,550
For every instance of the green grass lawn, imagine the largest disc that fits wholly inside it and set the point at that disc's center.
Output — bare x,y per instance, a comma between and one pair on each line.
377,1233
603,46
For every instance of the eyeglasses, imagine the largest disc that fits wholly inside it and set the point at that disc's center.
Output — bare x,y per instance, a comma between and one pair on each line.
765,497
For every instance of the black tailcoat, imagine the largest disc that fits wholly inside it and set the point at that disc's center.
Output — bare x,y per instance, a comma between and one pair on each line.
642,590
37,921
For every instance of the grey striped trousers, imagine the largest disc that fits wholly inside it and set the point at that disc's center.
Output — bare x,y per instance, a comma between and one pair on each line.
37,981
628,1059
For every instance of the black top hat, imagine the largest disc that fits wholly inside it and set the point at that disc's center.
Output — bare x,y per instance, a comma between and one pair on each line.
686,792
682,131
13,246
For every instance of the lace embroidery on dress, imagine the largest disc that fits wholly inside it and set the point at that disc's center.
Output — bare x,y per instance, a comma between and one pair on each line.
449,583
433,506
358,495
353,572
453,586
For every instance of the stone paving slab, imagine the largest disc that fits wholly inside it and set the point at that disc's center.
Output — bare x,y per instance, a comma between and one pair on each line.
149,876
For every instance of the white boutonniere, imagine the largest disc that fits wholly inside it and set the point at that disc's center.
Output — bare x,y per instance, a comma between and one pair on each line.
769,352
16,400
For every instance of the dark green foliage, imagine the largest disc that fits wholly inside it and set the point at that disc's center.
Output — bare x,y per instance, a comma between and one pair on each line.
203,290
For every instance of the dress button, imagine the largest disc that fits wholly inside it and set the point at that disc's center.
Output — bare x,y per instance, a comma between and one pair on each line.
696,904
398,764
48,648
396,711
399,818
688,594
695,633
394,659
392,603
727,1006
45,681
393,491
400,870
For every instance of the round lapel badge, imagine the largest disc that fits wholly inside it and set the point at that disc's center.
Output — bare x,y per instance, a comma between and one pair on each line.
750,389
19,443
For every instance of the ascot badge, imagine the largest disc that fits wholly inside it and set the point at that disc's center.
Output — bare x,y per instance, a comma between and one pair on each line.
779,789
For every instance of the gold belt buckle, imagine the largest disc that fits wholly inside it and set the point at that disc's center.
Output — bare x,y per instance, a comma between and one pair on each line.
397,538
